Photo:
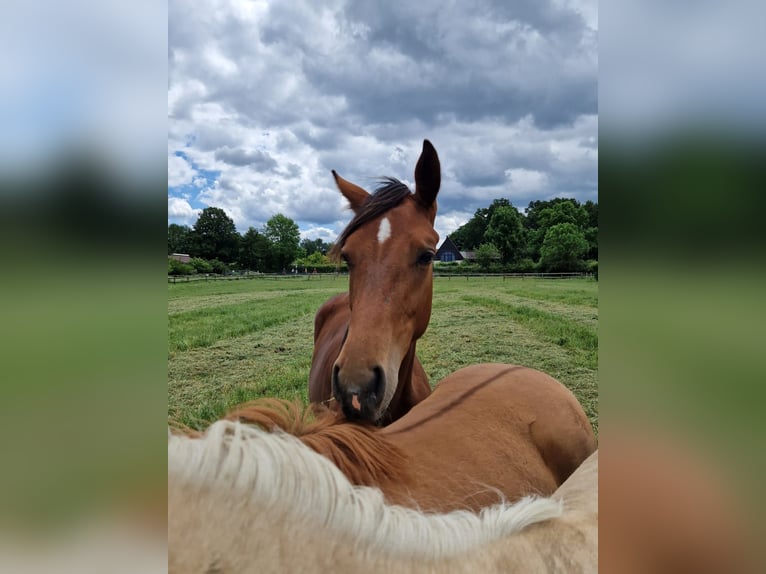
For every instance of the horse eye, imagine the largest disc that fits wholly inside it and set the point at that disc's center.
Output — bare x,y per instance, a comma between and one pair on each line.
346,260
425,258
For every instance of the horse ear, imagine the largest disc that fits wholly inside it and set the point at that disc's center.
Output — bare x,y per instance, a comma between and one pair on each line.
428,175
355,195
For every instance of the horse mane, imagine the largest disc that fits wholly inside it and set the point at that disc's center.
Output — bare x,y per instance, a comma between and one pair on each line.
390,193
278,472
362,454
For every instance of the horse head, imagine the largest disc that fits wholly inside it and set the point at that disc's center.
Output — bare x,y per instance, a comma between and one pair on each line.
389,247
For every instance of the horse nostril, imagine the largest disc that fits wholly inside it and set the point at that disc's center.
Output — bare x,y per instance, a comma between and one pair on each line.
379,383
334,390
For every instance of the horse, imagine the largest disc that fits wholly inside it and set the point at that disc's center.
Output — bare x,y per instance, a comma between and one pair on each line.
487,433
364,340
244,500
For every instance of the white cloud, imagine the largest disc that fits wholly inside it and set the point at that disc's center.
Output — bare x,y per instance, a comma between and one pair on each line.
179,171
180,211
316,232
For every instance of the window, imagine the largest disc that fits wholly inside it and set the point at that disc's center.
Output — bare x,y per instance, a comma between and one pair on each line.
447,257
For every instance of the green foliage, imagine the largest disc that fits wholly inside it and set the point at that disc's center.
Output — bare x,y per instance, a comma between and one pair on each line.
542,215
592,267
315,246
316,258
176,267
506,232
179,239
285,237
563,248
215,235
519,237
473,233
219,267
486,254
255,251
201,266
591,236
524,265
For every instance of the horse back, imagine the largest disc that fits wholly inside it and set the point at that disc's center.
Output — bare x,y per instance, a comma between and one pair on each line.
514,423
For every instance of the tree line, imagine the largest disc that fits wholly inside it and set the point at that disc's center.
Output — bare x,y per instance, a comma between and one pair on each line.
554,235
216,246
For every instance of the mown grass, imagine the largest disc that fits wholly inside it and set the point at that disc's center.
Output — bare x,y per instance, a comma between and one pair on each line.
230,342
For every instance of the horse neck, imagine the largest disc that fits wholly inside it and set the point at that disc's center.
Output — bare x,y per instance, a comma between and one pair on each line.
408,393
405,370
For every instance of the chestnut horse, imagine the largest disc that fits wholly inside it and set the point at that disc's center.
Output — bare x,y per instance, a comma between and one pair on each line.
364,340
487,433
242,500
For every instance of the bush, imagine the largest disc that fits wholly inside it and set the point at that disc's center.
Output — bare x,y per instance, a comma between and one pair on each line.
201,266
525,265
175,267
219,267
592,267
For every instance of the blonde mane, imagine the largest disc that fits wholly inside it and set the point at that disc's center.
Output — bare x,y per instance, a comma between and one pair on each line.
282,474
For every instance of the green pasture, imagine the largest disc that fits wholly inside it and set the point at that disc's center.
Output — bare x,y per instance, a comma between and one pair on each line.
233,341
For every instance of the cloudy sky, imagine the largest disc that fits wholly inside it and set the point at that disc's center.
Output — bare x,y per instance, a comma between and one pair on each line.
265,98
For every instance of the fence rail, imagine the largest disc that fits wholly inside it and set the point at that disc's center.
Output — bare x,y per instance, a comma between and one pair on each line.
332,276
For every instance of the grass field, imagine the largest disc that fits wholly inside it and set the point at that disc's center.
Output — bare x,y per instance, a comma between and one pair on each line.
232,341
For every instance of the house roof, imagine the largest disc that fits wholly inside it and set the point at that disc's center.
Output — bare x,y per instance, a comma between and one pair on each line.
446,247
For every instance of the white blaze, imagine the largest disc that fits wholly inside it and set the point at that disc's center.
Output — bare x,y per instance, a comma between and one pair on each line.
384,231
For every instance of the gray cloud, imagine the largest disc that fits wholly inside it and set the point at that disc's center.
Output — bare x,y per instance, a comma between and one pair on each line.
257,159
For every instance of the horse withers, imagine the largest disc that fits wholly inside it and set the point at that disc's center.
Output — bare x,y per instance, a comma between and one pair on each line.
364,340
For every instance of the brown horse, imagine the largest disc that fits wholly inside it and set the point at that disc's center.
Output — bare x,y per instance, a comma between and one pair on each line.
241,500
364,340
488,432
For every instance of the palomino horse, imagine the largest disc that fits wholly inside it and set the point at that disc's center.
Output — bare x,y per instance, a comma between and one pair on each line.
242,500
364,340
488,432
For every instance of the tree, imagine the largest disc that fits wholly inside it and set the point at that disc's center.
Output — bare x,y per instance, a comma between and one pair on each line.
315,246
591,236
473,232
215,235
563,248
255,251
506,232
179,239
485,254
542,215
592,209
285,237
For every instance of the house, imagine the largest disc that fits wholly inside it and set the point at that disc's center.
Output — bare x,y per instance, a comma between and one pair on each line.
448,252
182,257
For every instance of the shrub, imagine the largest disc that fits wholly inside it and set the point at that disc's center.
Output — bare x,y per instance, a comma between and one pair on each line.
525,265
175,267
219,267
592,267
201,266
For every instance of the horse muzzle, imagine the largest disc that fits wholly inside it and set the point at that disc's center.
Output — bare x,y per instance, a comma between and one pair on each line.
359,399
